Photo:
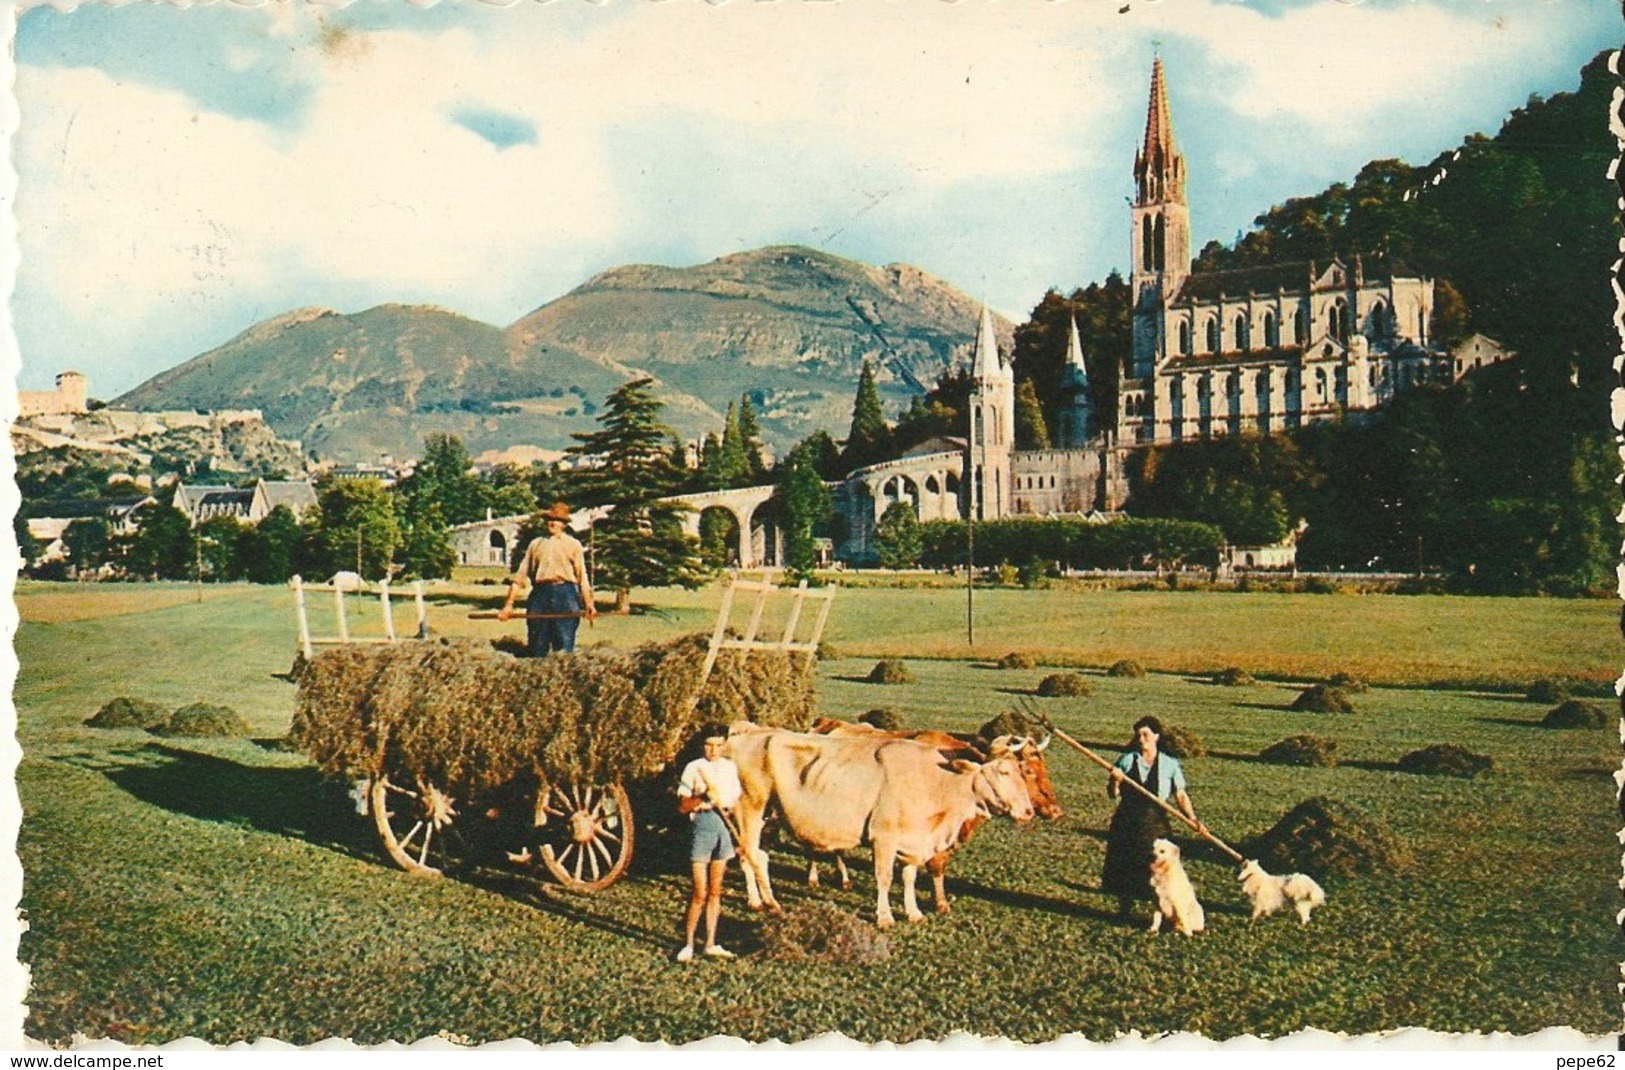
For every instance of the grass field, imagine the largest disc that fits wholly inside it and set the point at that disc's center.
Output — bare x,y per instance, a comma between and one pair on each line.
221,889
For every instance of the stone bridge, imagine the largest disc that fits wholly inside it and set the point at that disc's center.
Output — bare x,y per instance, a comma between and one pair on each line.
928,481
756,539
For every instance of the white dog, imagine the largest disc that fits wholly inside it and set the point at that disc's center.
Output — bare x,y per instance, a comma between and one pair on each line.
1270,893
1176,899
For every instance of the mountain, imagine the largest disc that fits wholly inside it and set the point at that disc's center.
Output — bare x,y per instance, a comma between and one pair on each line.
788,325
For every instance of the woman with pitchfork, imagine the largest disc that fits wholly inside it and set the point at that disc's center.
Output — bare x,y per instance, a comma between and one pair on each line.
1139,822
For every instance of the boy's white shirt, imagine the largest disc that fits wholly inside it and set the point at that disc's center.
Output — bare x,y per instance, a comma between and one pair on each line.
718,781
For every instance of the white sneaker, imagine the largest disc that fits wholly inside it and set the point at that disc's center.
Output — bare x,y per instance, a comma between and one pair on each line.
686,954
717,951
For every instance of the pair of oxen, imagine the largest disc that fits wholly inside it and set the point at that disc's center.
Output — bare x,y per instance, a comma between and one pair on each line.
914,796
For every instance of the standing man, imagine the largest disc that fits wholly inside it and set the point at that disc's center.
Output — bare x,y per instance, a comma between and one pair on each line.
556,571
708,788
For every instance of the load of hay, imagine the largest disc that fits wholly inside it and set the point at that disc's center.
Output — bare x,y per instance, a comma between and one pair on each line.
1063,685
126,712
1017,660
818,932
890,671
1318,698
202,719
884,718
1301,750
1446,759
1233,677
459,714
1576,713
1129,668
1326,837
1180,742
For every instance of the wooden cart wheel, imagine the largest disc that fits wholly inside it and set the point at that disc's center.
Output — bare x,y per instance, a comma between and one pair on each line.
586,839
415,822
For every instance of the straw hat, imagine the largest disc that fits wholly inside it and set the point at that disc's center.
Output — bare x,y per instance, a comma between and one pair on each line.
557,511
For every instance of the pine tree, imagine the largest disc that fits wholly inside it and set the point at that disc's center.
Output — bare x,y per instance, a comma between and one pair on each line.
733,466
869,439
627,465
750,439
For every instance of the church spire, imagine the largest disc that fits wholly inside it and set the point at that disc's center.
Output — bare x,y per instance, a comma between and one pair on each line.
986,363
1074,354
1159,168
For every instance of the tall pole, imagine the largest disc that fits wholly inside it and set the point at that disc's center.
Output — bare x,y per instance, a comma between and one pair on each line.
197,559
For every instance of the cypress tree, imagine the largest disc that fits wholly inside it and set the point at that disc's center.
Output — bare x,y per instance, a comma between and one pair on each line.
870,438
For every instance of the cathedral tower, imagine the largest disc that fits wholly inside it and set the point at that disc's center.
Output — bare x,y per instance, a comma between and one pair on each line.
993,426
1161,252
1077,404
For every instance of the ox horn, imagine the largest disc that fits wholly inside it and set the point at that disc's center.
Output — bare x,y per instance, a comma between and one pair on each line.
1048,737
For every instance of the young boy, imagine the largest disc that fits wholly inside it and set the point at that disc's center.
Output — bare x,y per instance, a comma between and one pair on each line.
709,787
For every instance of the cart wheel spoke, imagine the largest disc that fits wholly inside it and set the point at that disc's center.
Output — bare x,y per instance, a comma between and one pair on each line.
591,840
416,824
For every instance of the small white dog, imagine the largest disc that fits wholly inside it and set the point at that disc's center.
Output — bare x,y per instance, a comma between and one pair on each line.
1270,893
1176,899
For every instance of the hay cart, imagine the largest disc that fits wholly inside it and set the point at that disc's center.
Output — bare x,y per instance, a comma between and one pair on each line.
469,758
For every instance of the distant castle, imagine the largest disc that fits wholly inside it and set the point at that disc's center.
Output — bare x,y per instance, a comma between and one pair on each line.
72,395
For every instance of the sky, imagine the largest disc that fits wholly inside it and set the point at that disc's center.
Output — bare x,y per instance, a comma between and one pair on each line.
184,173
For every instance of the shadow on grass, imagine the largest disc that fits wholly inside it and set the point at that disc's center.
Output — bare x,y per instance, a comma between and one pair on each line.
865,680
297,802
1514,721
1273,707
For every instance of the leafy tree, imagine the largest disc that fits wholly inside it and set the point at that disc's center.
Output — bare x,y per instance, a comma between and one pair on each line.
444,475
1105,332
869,439
820,451
1031,431
627,464
508,490
162,546
802,503
215,554
86,542
717,526
425,549
897,536
355,528
267,552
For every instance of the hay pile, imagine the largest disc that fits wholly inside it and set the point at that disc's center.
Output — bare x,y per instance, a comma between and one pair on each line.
202,719
818,932
1576,713
884,718
1063,685
1446,759
1325,837
1347,681
126,712
1301,750
1546,692
828,651
1233,677
1017,660
1127,667
463,716
1013,723
1318,698
890,671
1179,742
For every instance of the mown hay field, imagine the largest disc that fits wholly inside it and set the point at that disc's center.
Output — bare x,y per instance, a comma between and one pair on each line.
220,888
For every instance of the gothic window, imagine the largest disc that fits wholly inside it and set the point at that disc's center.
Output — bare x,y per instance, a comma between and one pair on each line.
1320,384
1272,336
1379,320
1159,244
1212,334
1148,255
1300,326
1241,332
1337,320
1233,384
1185,338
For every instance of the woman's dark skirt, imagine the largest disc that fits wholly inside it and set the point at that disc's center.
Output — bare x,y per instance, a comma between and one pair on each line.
1135,826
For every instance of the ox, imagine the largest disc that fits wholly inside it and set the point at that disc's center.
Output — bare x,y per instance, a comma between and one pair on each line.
836,792
1034,772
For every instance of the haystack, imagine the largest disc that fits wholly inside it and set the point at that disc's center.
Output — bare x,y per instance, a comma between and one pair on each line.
885,718
1129,668
1326,837
1347,681
1063,685
1017,660
203,719
459,714
1013,723
1546,691
1233,677
818,932
1446,759
1301,750
1181,743
126,712
1318,698
1576,713
890,671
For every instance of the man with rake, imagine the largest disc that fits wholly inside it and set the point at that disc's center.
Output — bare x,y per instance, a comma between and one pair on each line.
708,789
